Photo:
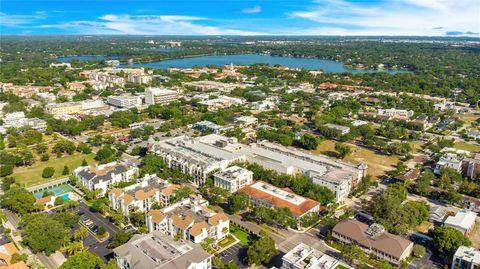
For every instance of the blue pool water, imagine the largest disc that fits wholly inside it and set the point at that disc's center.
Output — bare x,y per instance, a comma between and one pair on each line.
57,191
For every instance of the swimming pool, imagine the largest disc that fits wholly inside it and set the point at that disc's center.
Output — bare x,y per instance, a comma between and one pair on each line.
65,197
59,190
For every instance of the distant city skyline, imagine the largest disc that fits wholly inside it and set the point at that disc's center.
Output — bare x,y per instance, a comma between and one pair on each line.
232,17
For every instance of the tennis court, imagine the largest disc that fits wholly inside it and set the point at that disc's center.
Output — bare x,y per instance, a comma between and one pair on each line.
57,190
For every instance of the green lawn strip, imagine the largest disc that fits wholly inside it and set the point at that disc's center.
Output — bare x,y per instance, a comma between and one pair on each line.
32,175
227,241
467,146
105,237
240,234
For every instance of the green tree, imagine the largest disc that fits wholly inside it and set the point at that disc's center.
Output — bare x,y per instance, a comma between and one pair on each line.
84,162
119,239
6,170
101,231
7,182
419,251
342,150
19,200
65,171
42,233
309,141
262,250
80,233
448,239
44,157
238,202
423,182
48,172
17,257
68,219
83,260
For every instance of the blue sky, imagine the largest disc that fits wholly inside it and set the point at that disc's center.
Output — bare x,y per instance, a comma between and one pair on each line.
242,17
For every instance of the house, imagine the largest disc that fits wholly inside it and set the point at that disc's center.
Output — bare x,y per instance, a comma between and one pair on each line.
342,129
437,214
189,219
141,196
264,194
303,256
47,201
373,239
245,121
474,134
6,252
450,160
464,221
102,177
158,251
466,258
233,178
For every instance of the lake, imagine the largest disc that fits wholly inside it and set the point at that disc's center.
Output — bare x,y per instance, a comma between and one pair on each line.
249,59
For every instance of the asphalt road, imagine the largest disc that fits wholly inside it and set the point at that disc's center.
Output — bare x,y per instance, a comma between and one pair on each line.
235,253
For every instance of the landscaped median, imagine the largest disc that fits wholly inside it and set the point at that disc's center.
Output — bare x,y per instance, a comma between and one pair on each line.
101,234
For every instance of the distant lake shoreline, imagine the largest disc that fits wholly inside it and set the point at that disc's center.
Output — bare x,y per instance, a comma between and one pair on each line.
329,66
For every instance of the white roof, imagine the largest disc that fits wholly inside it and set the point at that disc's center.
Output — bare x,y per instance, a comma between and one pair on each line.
464,219
468,254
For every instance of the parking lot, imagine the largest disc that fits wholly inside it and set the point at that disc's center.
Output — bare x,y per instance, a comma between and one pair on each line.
236,254
93,220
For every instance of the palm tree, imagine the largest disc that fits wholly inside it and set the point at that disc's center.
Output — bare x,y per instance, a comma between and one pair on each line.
80,233
74,248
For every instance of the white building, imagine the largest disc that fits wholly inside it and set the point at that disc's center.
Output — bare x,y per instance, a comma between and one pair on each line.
263,105
102,177
158,251
210,127
191,218
306,257
14,119
466,258
67,65
233,178
342,129
450,160
199,156
221,102
141,196
395,113
140,79
154,96
246,121
464,221
124,101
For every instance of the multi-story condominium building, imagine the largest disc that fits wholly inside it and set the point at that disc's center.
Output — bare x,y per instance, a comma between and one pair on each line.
149,190
199,156
233,178
373,239
210,127
395,113
221,102
306,257
140,79
245,121
76,86
154,96
190,219
158,251
207,85
125,101
264,194
14,119
102,177
466,258
61,109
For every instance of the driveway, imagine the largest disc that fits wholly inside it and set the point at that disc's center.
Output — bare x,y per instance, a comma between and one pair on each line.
235,253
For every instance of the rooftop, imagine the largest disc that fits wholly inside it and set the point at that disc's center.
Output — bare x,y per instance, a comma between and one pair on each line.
464,219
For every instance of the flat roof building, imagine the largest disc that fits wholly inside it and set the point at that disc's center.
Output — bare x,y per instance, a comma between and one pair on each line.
306,257
154,96
464,221
233,178
466,258
124,101
264,194
342,129
158,251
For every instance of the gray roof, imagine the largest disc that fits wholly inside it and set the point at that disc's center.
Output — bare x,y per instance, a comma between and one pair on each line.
158,251
92,176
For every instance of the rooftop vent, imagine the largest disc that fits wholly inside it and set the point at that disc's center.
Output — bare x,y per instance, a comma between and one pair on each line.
375,230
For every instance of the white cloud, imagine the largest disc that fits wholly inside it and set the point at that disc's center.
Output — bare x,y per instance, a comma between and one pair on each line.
253,10
19,20
147,25
402,17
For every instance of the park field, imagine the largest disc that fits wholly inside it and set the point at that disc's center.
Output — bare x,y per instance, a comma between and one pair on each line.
467,146
32,175
378,164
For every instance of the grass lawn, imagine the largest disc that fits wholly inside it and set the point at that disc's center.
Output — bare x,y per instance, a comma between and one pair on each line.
240,234
32,175
377,164
424,227
468,119
227,241
467,146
